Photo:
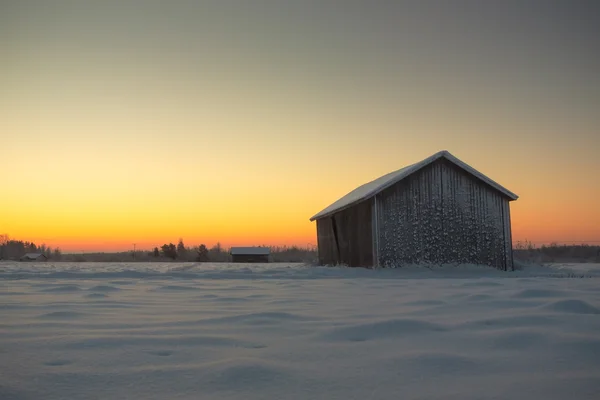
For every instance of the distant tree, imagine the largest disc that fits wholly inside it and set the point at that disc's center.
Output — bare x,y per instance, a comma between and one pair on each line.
57,254
181,250
169,250
13,249
217,254
164,250
3,241
30,247
156,252
202,253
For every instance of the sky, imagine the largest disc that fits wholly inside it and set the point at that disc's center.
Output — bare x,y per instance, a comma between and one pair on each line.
144,122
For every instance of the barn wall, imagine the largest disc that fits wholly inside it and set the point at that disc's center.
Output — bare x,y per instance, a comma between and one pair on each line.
249,258
326,242
375,228
442,214
507,235
409,220
346,237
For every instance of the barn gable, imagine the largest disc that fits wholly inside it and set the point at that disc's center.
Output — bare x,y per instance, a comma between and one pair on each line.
441,214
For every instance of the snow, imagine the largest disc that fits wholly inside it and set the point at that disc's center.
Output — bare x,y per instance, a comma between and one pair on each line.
376,186
225,331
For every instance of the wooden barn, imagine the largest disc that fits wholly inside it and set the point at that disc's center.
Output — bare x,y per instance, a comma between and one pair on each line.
437,211
250,254
34,257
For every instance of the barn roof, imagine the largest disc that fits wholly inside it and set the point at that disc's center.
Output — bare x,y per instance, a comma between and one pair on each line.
250,251
33,255
372,188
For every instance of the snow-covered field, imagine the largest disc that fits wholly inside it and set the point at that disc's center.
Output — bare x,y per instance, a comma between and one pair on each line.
202,331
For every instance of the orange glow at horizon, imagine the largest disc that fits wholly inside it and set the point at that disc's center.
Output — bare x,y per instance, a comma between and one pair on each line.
273,216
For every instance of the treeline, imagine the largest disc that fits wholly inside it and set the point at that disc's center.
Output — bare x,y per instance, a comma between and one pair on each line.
180,252
15,249
11,249
579,253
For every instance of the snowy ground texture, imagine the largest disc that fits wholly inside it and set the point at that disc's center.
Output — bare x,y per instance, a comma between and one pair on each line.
202,331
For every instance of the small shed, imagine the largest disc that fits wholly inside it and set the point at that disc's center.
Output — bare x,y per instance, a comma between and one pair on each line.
34,257
437,211
250,254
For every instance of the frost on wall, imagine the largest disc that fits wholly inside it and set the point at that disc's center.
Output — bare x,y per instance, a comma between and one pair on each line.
441,215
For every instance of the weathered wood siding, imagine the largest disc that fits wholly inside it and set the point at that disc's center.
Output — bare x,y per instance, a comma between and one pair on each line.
374,229
249,258
327,247
507,236
346,237
442,214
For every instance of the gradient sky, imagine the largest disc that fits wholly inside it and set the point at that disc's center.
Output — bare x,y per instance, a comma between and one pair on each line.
235,121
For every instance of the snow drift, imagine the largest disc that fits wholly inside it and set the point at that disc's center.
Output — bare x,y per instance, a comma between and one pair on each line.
207,331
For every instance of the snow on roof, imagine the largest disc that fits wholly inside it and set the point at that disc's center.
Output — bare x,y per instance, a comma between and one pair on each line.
250,251
33,255
372,188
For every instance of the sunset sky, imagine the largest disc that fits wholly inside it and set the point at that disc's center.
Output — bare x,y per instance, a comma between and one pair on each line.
235,121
